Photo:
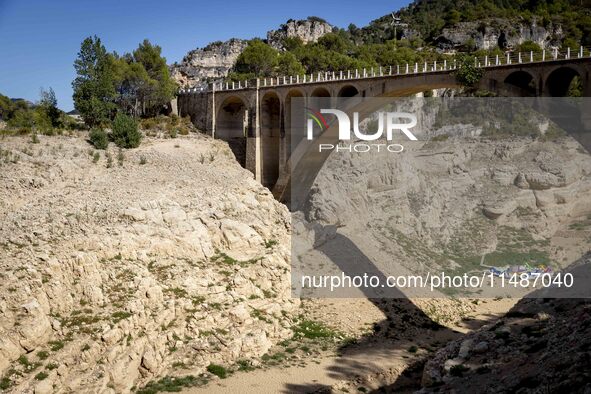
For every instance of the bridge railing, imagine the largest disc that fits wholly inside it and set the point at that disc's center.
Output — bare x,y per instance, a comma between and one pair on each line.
509,58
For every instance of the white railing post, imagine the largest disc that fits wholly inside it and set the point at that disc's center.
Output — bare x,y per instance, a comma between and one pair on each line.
305,77
497,60
486,61
226,85
508,59
239,84
356,73
531,56
568,53
581,52
435,65
233,85
390,70
454,64
416,68
555,53
425,67
341,74
407,68
445,64
397,69
348,74
543,55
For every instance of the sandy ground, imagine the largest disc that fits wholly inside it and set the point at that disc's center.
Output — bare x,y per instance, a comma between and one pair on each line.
372,363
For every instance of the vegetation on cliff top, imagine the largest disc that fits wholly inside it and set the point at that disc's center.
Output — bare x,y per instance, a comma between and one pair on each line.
382,42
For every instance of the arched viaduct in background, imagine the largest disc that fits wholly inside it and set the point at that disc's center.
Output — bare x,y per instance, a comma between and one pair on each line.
255,120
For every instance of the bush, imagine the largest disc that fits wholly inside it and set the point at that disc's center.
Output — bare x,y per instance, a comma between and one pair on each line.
149,123
125,132
41,376
217,370
98,138
42,355
458,370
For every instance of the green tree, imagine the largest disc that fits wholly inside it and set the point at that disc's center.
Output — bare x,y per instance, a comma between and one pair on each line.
22,119
258,59
6,107
453,18
160,88
48,105
528,46
94,91
288,64
291,44
133,85
335,42
467,73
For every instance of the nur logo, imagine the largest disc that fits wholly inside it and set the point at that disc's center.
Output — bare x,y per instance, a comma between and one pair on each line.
315,117
388,123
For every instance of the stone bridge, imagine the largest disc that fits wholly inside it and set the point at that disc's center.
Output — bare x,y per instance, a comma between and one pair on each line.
254,117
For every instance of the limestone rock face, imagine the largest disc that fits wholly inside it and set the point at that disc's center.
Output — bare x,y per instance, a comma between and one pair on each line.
119,272
211,62
308,30
217,59
499,32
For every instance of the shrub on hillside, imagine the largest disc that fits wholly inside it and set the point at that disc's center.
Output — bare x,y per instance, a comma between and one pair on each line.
125,132
98,138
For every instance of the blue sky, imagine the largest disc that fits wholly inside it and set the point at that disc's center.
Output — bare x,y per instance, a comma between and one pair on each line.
39,40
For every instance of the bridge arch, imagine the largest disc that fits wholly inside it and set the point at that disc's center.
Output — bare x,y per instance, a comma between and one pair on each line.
231,126
320,92
270,137
523,81
348,91
562,81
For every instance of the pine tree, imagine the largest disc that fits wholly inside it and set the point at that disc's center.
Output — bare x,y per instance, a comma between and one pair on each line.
94,91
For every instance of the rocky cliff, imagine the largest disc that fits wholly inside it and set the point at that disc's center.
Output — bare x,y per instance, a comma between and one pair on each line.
498,32
308,30
211,62
216,59
120,268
